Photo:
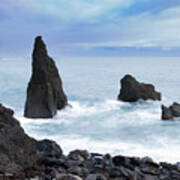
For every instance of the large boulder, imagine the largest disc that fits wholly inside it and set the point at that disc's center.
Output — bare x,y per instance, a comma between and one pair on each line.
169,113
132,90
17,150
45,92
166,113
49,148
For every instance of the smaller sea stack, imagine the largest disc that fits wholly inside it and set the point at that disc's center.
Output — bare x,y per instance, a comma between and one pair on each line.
45,92
169,113
132,90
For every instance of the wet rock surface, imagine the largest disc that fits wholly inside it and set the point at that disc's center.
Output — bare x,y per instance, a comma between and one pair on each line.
45,92
169,113
49,148
105,167
17,150
132,90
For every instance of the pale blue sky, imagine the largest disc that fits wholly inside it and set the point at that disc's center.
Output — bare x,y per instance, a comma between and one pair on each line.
91,27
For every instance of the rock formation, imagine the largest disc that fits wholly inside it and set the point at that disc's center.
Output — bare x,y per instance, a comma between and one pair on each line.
45,92
169,113
132,90
82,165
49,148
17,150
20,155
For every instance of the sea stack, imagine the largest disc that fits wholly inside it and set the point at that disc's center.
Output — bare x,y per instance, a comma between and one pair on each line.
169,113
45,92
132,90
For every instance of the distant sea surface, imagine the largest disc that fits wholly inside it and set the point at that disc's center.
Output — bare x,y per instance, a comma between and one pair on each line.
98,122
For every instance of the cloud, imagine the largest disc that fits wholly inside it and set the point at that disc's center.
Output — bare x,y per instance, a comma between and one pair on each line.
68,11
144,30
81,25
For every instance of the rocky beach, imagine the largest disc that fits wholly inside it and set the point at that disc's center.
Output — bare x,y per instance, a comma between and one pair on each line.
24,158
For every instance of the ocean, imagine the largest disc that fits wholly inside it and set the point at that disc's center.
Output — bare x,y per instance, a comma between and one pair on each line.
97,121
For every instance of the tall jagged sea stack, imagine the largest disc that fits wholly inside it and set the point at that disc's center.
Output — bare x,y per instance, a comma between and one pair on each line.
45,92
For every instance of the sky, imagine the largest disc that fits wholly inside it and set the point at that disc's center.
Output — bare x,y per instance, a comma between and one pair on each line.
91,27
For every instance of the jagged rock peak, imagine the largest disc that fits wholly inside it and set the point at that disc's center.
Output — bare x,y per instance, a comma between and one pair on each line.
45,93
39,47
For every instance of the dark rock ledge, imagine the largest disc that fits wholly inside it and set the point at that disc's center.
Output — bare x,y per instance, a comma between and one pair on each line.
24,158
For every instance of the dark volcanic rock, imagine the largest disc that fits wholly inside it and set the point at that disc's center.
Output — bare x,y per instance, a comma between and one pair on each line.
79,155
45,92
49,148
175,108
169,113
121,161
132,90
68,177
17,150
166,113
96,177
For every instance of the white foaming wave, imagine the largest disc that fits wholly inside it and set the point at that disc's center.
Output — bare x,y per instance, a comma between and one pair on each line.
124,148
79,109
76,110
67,115
85,109
28,123
116,114
113,104
117,147
133,118
149,116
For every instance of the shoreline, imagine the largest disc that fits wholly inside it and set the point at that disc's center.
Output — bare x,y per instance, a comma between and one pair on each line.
25,158
68,142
